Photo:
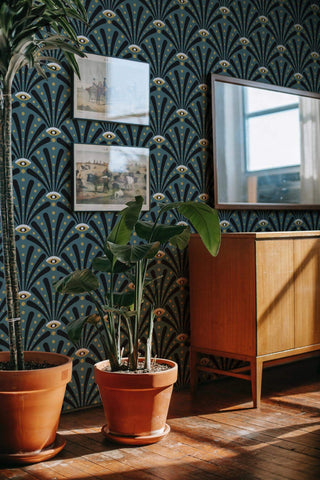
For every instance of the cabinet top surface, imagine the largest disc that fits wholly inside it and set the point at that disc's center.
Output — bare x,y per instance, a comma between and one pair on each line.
271,235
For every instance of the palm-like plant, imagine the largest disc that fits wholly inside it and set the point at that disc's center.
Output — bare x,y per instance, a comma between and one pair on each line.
28,28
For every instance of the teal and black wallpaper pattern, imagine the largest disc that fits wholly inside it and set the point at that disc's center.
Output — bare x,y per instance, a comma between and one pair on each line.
184,41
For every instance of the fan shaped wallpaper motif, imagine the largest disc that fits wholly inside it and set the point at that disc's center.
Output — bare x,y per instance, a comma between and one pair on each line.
184,41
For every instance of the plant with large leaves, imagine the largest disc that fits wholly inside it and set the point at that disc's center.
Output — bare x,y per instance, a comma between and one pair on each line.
29,30
120,312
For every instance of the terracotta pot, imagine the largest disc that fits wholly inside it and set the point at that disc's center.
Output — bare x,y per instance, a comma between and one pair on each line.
30,407
136,404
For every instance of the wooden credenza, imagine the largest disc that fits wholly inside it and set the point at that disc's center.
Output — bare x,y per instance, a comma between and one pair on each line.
258,301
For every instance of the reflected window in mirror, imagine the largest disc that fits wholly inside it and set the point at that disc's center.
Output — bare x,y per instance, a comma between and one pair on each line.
266,145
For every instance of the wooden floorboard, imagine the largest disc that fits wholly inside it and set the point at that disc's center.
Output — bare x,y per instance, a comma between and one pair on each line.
215,434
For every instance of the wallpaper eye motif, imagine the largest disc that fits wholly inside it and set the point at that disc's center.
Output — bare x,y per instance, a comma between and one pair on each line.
224,63
82,227
244,41
159,196
108,13
53,260
182,112
182,168
204,197
298,222
158,81
263,223
263,19
109,135
160,254
203,32
53,324
82,39
182,281
23,162
134,48
23,96
159,139
53,131
224,224
55,67
182,56
81,352
158,23
23,295
182,337
23,228
53,195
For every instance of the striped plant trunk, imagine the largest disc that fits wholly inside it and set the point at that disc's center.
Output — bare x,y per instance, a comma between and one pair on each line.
8,233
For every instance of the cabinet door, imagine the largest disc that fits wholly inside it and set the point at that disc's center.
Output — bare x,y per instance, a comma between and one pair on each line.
307,291
222,296
275,295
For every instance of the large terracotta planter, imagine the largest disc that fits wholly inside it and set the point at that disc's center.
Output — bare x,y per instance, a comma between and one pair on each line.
30,407
136,404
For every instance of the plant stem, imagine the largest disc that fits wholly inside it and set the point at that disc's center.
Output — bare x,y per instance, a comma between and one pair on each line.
8,233
111,348
147,360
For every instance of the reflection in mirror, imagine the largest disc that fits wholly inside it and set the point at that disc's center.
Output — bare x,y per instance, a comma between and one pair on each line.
266,145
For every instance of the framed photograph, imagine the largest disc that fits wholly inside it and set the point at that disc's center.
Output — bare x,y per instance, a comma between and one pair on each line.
112,90
106,177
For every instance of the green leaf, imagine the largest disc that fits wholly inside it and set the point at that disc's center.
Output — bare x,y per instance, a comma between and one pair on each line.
103,264
120,311
122,231
134,253
204,220
75,328
79,281
124,299
161,233
181,241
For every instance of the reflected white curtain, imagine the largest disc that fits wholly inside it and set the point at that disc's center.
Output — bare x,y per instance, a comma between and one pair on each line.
310,150
229,126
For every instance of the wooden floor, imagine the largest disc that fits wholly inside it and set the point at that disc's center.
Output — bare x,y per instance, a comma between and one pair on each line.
214,435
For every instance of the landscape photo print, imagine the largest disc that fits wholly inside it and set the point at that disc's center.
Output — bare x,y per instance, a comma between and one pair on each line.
107,177
111,89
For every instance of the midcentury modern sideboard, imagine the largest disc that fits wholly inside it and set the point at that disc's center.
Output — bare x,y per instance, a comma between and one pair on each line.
258,301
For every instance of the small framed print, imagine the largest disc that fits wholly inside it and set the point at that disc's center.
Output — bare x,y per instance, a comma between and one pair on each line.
107,177
112,89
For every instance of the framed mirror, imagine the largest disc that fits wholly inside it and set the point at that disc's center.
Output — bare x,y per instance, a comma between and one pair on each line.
266,145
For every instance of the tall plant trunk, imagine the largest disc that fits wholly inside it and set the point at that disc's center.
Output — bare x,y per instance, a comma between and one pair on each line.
8,233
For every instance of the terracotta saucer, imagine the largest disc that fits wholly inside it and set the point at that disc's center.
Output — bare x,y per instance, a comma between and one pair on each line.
139,440
34,457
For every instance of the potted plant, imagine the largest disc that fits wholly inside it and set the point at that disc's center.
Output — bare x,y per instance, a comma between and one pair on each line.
30,396
135,390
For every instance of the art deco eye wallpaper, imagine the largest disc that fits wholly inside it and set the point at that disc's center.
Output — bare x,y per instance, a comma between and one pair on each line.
183,41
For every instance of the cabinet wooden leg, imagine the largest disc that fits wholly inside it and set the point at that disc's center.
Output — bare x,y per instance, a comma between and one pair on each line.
193,370
256,381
